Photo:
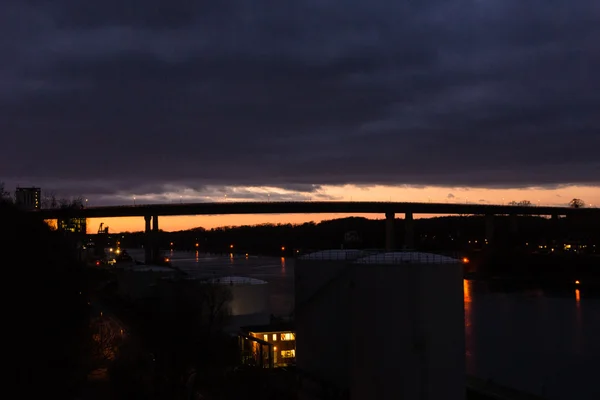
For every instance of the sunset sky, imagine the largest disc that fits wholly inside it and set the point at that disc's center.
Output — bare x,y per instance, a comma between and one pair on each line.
434,100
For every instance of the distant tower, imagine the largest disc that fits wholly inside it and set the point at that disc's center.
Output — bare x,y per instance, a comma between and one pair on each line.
28,198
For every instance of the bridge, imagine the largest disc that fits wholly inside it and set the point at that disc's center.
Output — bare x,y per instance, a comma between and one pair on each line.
151,212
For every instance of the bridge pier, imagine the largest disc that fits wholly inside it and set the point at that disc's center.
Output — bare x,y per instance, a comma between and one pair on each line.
155,239
390,217
147,240
489,227
409,231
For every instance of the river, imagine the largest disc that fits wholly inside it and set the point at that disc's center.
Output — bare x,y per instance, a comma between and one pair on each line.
544,343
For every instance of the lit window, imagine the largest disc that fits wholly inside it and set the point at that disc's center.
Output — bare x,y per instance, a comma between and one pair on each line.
274,337
266,338
288,353
287,336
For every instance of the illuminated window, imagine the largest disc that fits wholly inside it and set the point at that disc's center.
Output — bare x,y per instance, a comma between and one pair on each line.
274,337
266,338
288,353
287,336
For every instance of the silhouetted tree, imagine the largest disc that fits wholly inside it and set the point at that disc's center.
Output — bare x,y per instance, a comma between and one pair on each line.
522,203
46,308
577,203
4,194
49,199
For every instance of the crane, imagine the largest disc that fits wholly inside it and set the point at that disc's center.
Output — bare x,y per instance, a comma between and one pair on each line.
100,230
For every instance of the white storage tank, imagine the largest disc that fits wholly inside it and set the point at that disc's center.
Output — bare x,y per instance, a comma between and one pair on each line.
312,270
321,310
249,304
393,327
416,298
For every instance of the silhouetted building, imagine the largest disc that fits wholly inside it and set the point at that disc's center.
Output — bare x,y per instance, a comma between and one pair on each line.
28,198
74,225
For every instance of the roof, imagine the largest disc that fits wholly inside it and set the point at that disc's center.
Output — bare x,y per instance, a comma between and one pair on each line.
237,280
273,327
334,255
407,257
149,268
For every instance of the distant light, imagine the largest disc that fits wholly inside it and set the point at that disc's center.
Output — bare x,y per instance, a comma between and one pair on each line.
110,249
282,248
465,260
171,243
577,282
197,245
231,246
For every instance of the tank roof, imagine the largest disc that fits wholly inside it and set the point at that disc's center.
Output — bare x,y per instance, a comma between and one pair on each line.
407,257
149,268
237,280
333,255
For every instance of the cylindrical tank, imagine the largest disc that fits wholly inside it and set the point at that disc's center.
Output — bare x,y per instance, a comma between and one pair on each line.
410,303
322,307
385,325
313,270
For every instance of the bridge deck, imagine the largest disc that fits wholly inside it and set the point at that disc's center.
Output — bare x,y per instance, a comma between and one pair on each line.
309,207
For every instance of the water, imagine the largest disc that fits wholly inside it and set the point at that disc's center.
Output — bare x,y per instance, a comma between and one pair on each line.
544,343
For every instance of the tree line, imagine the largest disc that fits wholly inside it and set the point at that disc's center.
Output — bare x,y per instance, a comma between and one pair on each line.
453,233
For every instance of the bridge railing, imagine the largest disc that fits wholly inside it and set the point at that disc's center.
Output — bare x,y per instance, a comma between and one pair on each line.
265,203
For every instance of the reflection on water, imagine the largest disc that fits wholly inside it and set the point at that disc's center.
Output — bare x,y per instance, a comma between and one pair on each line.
469,342
528,339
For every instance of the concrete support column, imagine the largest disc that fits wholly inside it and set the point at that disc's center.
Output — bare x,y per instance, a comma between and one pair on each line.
489,227
409,231
155,239
389,231
147,241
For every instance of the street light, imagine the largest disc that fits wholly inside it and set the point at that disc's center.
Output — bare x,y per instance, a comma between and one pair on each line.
134,200
180,199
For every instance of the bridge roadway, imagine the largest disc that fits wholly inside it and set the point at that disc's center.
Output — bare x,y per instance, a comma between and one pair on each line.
310,207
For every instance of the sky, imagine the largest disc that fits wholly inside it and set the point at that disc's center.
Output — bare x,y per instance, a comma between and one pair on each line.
179,100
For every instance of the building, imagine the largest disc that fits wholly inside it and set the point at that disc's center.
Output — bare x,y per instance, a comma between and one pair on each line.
380,325
268,346
73,225
28,198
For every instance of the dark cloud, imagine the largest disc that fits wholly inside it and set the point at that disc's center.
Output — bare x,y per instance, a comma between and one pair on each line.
144,96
